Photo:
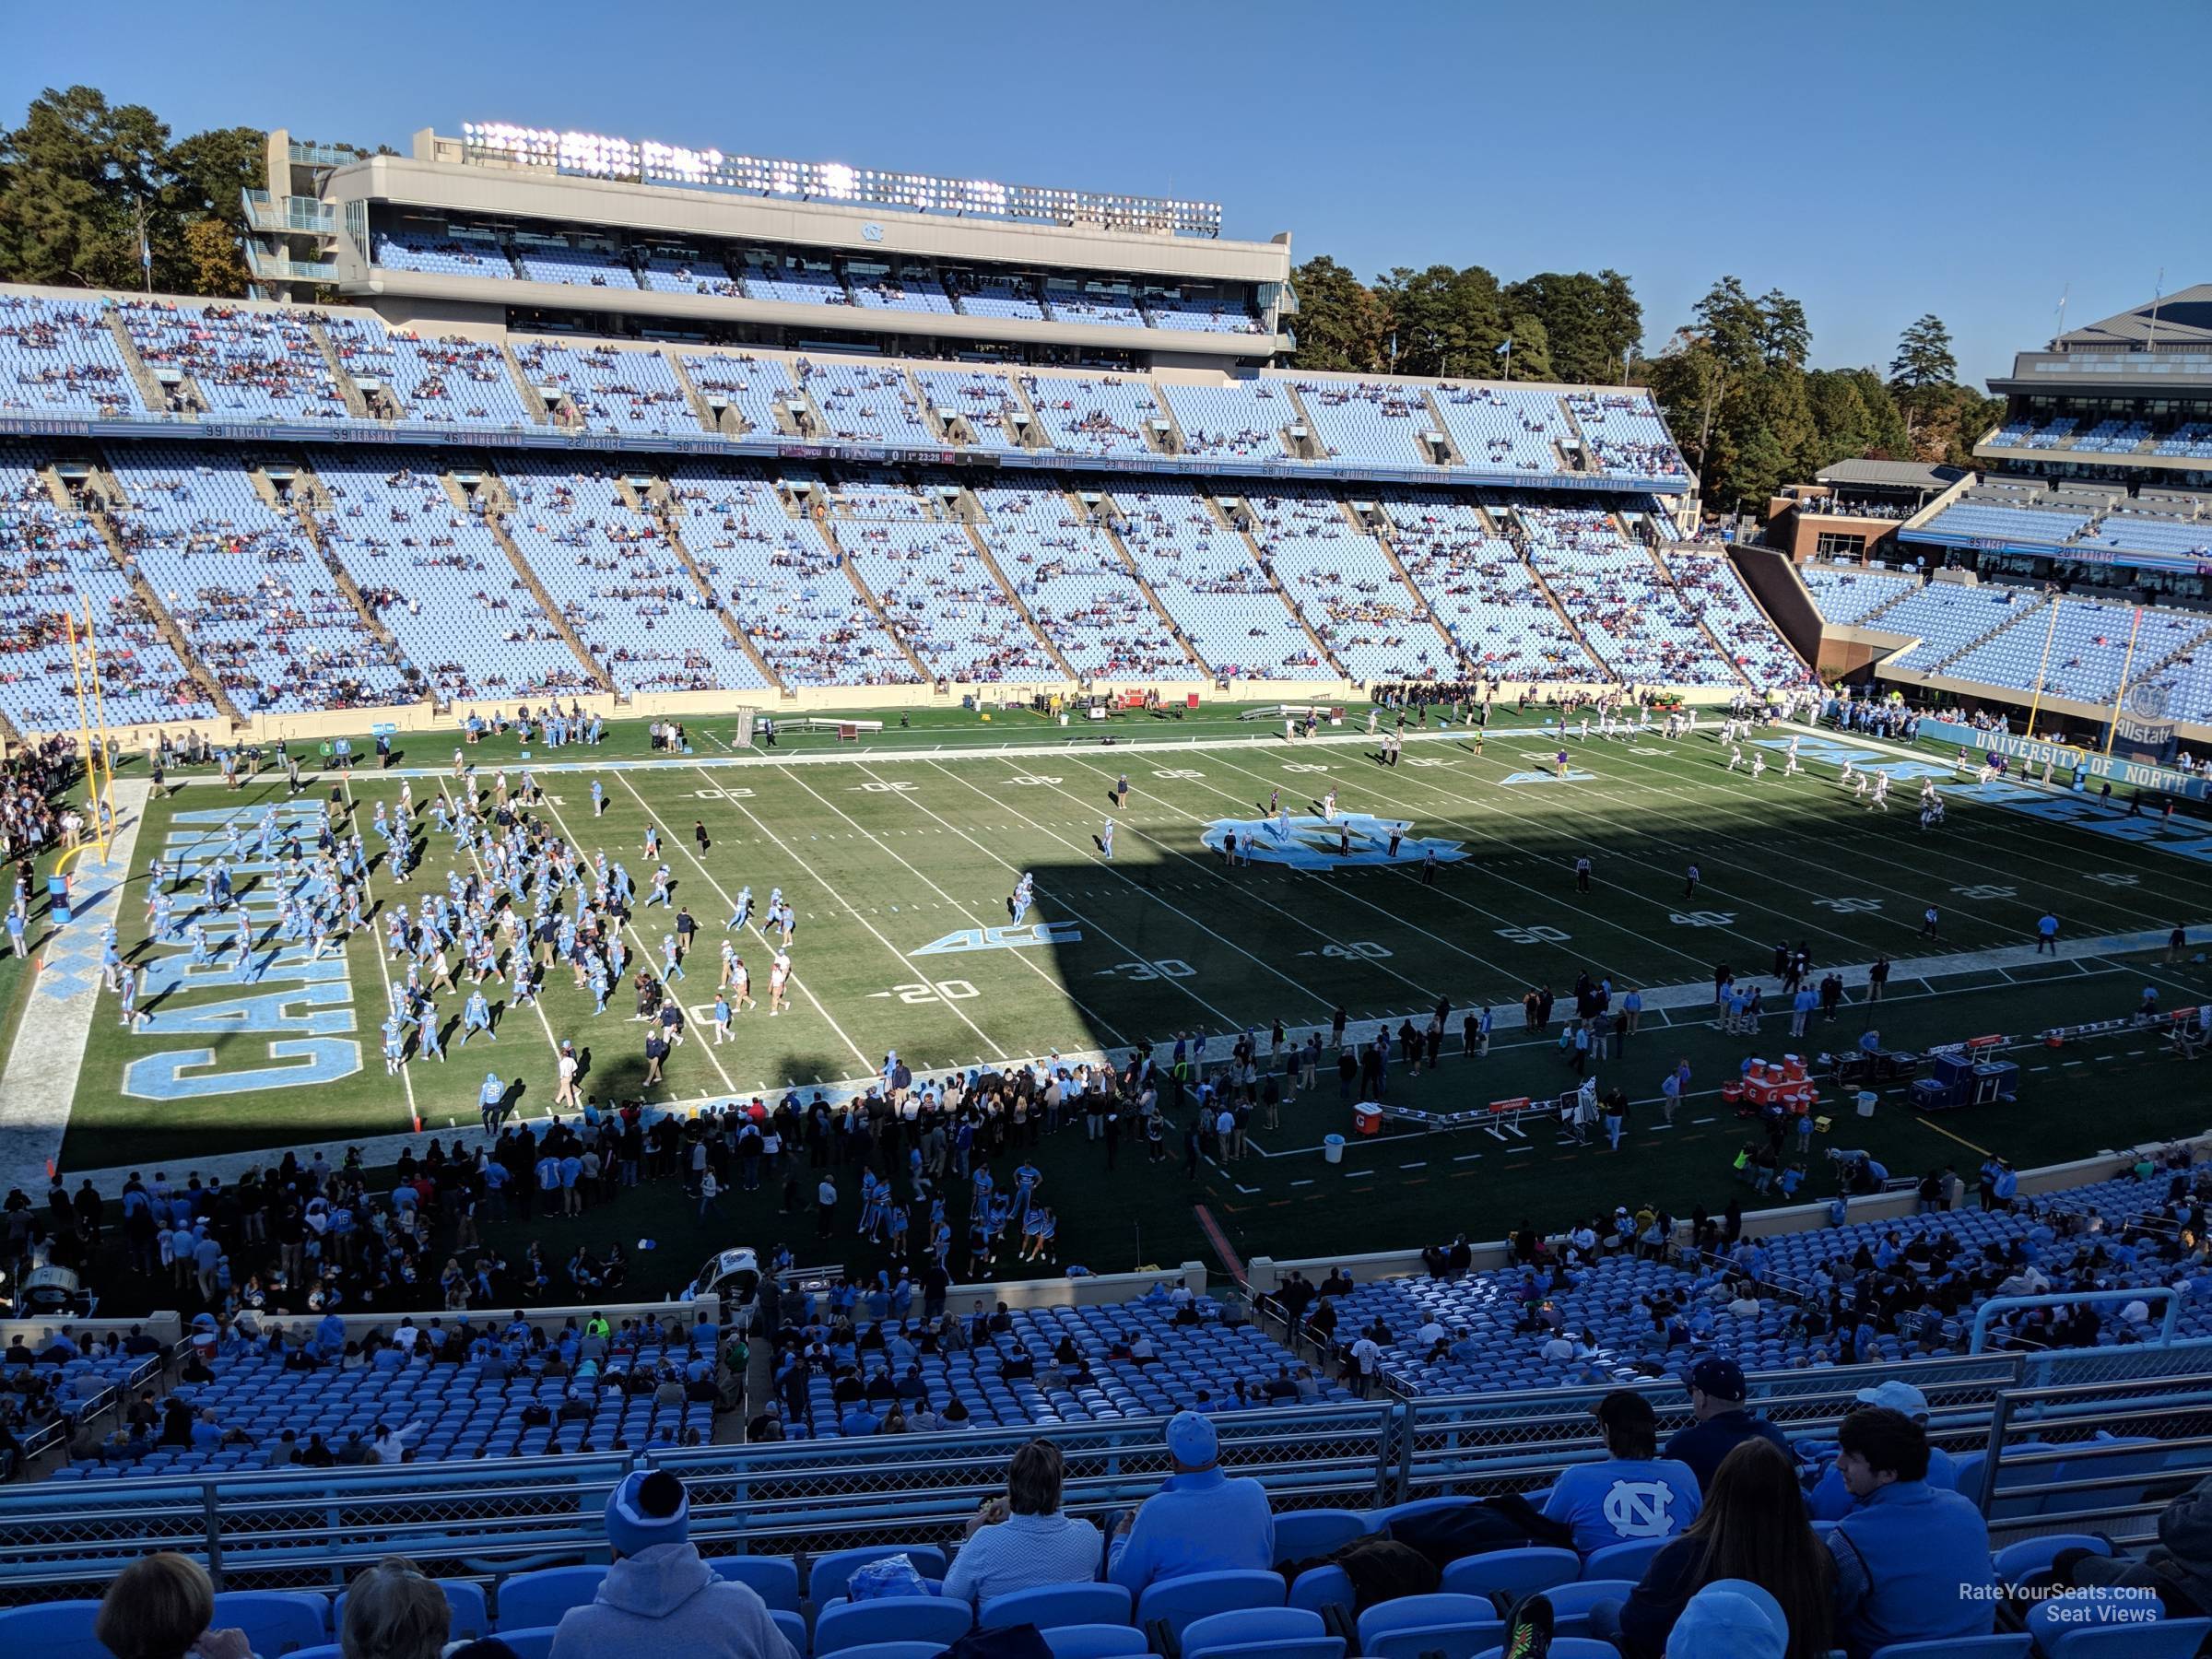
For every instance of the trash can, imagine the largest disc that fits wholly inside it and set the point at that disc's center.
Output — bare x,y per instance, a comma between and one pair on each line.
1866,1100
1332,1148
1367,1118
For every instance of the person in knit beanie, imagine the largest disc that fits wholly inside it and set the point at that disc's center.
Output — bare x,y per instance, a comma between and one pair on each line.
659,1597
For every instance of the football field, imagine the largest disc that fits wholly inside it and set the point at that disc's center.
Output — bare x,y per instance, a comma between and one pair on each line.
900,853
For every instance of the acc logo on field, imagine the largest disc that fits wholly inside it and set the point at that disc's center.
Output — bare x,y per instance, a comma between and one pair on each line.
1312,843
1002,938
1640,1509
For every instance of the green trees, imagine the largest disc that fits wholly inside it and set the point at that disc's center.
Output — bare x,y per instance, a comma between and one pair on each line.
1451,322
80,178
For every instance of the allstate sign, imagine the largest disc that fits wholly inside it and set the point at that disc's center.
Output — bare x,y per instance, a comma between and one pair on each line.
1318,843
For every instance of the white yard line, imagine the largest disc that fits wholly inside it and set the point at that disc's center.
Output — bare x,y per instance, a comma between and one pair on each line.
376,950
805,990
960,909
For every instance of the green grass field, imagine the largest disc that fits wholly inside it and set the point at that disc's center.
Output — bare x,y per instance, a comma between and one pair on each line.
885,849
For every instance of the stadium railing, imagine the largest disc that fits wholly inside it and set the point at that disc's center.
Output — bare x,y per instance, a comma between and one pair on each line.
298,1529
2087,1457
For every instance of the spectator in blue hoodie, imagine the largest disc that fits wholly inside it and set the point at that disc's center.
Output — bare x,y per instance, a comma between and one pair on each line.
659,1597
1911,1564
1199,1521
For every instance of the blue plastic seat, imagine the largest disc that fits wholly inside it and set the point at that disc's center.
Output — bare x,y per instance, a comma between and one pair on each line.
1321,1588
1052,1605
274,1621
1281,1647
2018,1645
2167,1639
1566,1647
531,1600
894,1650
535,1642
1095,1641
1570,1603
1446,1610
1623,1561
1513,1571
329,1650
1176,1602
792,1625
2016,1562
775,1579
1248,1625
827,1579
60,1629
1303,1534
894,1619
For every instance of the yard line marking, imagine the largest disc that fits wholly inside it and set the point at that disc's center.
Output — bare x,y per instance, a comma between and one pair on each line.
1421,1165
858,1052
1137,886
1466,1157
645,952
1023,956
384,969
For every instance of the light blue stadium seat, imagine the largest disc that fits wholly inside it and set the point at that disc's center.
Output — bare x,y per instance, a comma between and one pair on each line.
2053,1621
2016,1562
470,1619
826,1581
2168,1639
1570,1603
528,1600
1176,1602
794,1627
1566,1647
1303,1534
274,1621
534,1642
1513,1572
1052,1605
2016,1645
1280,1647
895,1618
61,1629
894,1650
1622,1561
1321,1588
1094,1642
775,1579
1456,1624
1248,1625
329,1650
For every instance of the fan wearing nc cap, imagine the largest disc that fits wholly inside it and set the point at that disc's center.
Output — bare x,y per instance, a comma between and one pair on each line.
1199,1521
659,1597
1831,1500
1716,1399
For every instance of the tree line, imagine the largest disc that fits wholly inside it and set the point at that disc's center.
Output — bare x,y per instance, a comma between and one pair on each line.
1734,380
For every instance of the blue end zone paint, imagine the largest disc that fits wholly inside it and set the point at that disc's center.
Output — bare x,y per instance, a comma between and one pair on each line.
293,993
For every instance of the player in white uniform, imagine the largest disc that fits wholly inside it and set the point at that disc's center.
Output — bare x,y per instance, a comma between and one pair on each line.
1328,807
778,971
1759,766
1735,756
1881,791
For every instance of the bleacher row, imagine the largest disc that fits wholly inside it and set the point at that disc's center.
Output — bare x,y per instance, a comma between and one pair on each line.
2005,636
692,581
1236,1614
68,357
2078,435
2077,515
791,279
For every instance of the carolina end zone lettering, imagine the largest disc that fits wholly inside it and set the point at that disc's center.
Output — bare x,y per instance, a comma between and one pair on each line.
307,1004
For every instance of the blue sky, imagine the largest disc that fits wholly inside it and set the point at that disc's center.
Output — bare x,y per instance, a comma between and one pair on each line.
1877,159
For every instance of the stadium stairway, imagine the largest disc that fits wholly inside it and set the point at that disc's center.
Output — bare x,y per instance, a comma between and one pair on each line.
1242,523
496,521
1136,574
828,535
968,511
1722,649
1381,528
110,489
1515,534
656,504
2018,614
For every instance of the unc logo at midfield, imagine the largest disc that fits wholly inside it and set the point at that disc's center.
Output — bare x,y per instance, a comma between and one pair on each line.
1313,844
1002,938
